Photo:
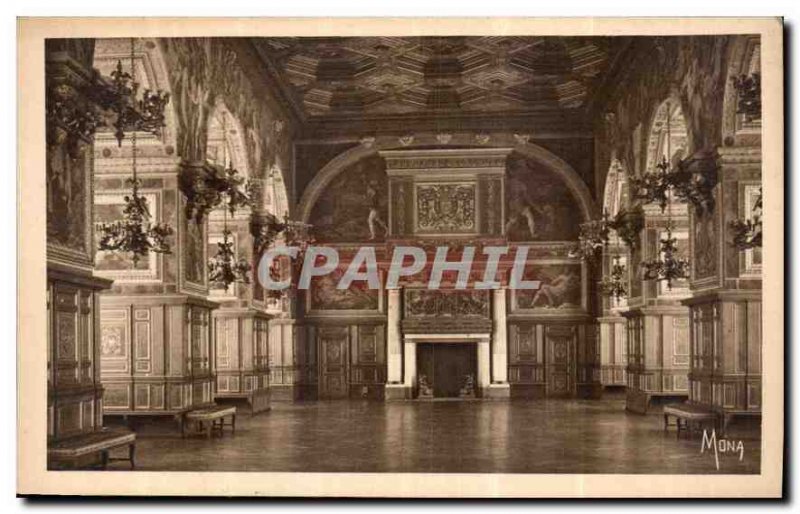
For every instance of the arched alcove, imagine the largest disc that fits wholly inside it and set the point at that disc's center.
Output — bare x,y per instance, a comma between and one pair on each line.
615,199
536,154
276,201
744,59
225,142
155,158
615,194
668,136
151,73
225,149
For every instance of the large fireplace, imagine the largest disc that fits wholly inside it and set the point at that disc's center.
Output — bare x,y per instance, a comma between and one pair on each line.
447,370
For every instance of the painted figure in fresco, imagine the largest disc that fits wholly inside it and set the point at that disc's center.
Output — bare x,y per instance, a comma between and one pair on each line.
194,253
556,293
522,208
374,218
353,207
326,296
523,213
62,186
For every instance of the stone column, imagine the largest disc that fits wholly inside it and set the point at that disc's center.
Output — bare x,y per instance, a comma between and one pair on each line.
74,392
410,374
725,374
395,388
657,323
499,380
484,367
393,343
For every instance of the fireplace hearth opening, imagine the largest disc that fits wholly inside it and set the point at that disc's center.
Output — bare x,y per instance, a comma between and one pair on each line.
446,370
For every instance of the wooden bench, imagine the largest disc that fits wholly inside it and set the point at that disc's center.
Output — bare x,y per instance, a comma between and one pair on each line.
102,441
210,419
688,417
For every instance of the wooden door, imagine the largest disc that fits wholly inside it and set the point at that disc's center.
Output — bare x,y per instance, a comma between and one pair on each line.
332,352
561,342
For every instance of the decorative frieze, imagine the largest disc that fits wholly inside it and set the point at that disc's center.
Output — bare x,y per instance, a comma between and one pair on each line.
423,303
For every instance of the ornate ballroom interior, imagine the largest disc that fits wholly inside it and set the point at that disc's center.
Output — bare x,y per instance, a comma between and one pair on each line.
629,166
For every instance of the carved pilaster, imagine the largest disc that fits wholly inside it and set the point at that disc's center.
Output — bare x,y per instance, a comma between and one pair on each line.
657,325
70,124
74,392
725,307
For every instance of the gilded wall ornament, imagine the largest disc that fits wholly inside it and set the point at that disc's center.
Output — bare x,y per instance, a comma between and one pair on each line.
446,207
433,303
406,140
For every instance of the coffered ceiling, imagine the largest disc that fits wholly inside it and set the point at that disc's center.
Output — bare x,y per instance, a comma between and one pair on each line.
334,78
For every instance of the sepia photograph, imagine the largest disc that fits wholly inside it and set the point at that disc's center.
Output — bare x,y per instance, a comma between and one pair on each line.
422,258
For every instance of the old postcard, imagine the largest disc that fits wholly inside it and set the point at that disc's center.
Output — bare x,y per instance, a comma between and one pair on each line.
401,258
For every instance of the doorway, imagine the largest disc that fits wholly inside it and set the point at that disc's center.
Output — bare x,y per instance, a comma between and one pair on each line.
446,370
332,352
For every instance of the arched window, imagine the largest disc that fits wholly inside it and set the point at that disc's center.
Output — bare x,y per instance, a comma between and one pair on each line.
225,144
615,196
615,199
668,142
225,149
668,135
113,161
275,200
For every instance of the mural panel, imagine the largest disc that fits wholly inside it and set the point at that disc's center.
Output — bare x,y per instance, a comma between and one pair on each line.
66,198
705,246
635,271
194,261
560,288
354,207
324,296
539,205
